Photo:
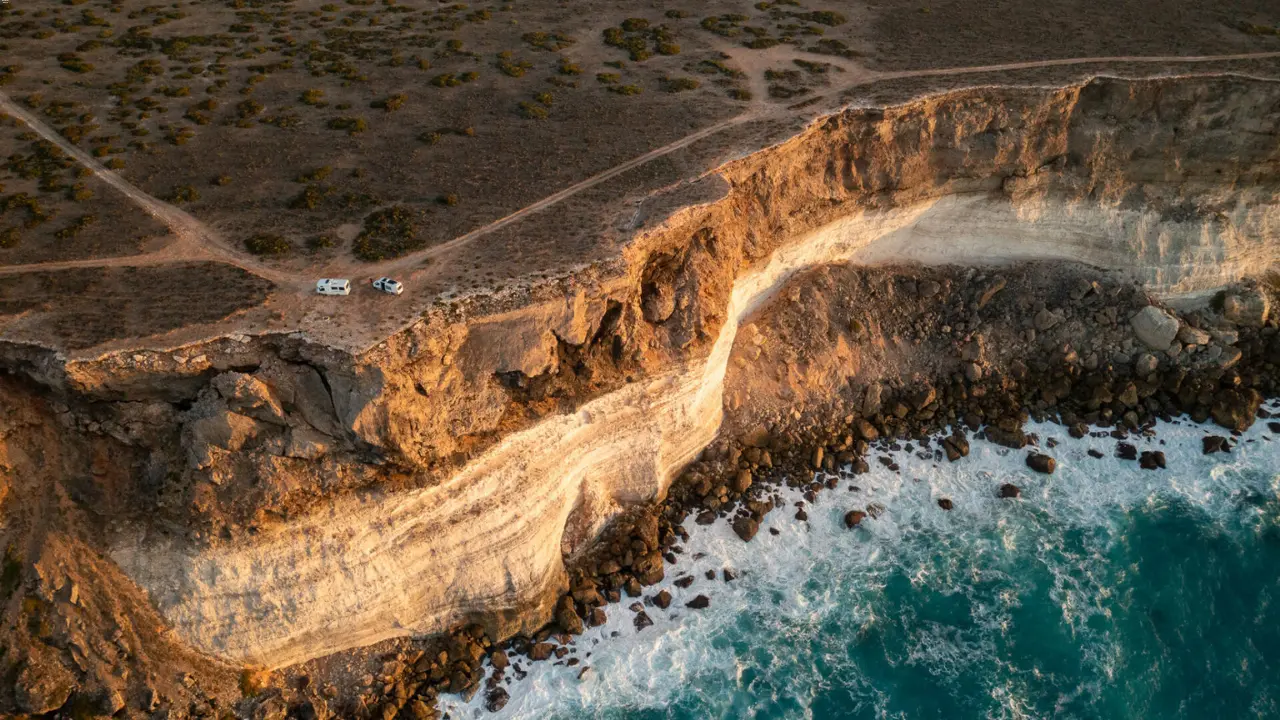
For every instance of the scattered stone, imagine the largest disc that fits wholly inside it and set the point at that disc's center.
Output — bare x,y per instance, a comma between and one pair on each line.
746,528
1274,427
1095,453
541,651
496,699
1145,364
945,503
741,481
1041,463
1216,443
1152,460
996,285
499,659
1188,335
1126,451
642,620
1154,327
1009,490
596,617
684,582
700,602
706,517
662,599
729,575
853,518
801,515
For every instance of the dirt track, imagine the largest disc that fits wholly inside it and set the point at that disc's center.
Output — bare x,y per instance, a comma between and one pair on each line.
196,241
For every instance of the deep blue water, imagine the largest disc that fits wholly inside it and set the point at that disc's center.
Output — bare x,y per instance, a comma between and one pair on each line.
1106,591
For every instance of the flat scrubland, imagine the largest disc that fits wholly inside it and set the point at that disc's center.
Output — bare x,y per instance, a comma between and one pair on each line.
327,136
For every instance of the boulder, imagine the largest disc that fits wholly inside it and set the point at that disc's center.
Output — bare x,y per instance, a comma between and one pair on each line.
741,481
1154,327
1041,463
1009,490
700,602
866,430
642,620
853,518
306,444
871,401
1152,460
496,699
1188,335
662,599
945,503
567,616
1215,444
43,685
1249,307
1236,409
746,528
220,429
1145,364
541,651
250,396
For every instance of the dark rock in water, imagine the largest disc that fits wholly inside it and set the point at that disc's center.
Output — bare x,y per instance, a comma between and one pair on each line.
1236,409
496,699
596,617
956,447
710,574
775,531
741,481
1078,430
699,603
541,651
866,430
729,575
1014,439
1095,453
746,528
874,510
642,620
1152,460
853,518
1274,427
633,587
860,466
1009,490
1125,451
684,582
945,503
662,599
706,517
1216,443
1041,463
567,617
499,659
801,515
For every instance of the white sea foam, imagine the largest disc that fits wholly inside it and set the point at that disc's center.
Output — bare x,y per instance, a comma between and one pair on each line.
766,645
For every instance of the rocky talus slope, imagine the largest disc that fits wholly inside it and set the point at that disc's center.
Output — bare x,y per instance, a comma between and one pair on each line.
171,517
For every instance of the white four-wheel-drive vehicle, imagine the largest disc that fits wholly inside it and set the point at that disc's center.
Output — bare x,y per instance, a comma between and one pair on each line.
387,285
333,286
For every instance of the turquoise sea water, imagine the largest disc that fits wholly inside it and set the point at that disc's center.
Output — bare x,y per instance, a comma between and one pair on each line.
1105,591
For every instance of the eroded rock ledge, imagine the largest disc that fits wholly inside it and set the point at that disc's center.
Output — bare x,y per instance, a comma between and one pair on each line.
278,501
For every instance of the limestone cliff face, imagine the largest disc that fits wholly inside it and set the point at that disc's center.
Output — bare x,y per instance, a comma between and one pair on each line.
287,500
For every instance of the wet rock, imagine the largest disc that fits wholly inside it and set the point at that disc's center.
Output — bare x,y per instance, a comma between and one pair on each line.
642,620
541,651
1126,451
1152,460
1041,463
1274,427
745,528
1249,307
1236,409
684,582
741,481
1015,438
1009,490
499,659
1096,454
729,575
956,447
1154,327
596,617
1215,444
700,602
859,466
853,518
801,515
706,517
496,699
874,510
662,599
567,616
945,503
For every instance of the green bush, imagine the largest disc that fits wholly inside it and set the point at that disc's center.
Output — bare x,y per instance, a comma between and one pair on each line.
387,233
681,84
533,111
352,125
313,97
268,244
184,194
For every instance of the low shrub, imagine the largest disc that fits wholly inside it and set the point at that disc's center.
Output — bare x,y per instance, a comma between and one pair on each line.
268,244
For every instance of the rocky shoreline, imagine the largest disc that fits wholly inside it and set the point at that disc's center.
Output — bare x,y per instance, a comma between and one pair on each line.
1082,348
